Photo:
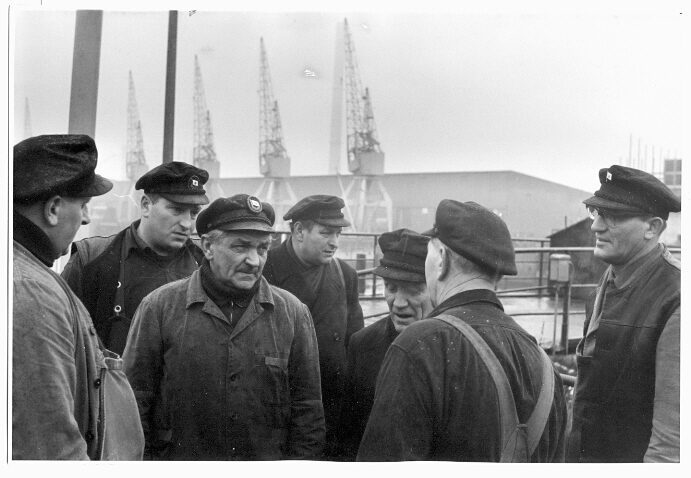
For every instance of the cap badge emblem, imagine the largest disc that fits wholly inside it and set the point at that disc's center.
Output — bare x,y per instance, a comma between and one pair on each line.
193,182
609,176
254,204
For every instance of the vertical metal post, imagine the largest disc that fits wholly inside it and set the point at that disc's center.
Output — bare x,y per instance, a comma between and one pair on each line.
374,260
360,263
85,67
169,112
540,291
565,318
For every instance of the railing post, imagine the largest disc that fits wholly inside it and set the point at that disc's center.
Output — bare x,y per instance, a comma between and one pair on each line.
360,263
374,260
565,318
540,273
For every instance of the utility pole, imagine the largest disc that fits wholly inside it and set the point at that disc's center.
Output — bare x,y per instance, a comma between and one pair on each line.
169,111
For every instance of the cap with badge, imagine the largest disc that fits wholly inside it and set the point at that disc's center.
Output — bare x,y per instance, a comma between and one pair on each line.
404,252
62,164
320,208
241,212
176,181
632,191
475,233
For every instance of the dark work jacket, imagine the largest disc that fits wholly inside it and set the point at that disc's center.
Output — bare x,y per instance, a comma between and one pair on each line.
436,400
93,270
336,313
366,352
613,403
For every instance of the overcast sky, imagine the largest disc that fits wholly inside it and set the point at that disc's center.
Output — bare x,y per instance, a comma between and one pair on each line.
555,95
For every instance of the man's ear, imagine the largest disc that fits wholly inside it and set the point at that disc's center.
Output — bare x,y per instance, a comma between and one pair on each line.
206,247
299,231
51,210
146,204
654,229
445,263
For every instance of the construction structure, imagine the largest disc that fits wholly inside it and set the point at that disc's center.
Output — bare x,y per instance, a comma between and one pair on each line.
367,201
135,160
204,152
274,162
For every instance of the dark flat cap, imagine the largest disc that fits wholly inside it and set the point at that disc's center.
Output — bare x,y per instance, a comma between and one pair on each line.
241,212
61,164
320,208
476,233
404,252
630,190
176,181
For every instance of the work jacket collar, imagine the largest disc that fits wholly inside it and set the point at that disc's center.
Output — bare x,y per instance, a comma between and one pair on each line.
33,239
467,297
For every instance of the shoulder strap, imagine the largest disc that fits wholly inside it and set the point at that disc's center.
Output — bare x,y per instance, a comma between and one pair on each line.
340,274
507,407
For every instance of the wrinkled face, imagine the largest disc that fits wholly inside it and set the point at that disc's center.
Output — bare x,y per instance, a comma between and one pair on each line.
407,301
621,240
237,258
433,267
318,245
168,224
73,214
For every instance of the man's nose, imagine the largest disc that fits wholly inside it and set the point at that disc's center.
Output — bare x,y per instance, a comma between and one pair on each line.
252,257
598,224
86,219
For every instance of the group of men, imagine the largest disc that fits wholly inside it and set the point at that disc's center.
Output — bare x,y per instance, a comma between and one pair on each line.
152,344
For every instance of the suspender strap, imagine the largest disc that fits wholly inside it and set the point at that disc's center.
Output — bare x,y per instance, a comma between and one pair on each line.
510,424
340,274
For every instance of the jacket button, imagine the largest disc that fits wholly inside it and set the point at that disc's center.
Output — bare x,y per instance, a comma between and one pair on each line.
92,330
233,378
97,382
337,337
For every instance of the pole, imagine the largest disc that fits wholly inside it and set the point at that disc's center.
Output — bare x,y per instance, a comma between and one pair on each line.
565,318
169,112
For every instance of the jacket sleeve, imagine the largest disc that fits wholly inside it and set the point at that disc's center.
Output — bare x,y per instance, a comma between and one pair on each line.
355,317
664,441
44,377
400,425
143,363
72,273
307,429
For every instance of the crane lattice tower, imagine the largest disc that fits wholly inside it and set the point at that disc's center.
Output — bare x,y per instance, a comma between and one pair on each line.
368,203
204,152
274,162
135,161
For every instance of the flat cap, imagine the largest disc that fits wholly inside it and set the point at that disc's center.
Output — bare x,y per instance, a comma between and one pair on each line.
476,233
320,208
404,252
630,190
61,164
176,181
241,212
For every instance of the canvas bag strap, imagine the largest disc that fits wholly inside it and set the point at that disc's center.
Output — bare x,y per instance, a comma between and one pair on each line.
509,418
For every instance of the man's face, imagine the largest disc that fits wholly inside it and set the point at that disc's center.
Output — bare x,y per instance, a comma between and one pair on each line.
319,244
73,214
619,240
237,258
407,301
168,224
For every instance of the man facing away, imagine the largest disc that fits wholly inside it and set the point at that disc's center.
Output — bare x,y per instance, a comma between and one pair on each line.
225,366
70,400
403,269
435,398
305,266
111,275
626,404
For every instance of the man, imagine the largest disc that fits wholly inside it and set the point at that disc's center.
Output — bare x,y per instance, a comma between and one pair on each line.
224,365
435,398
626,406
112,275
69,400
403,269
305,265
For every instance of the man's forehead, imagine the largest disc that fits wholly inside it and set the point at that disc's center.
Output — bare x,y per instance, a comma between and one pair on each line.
325,228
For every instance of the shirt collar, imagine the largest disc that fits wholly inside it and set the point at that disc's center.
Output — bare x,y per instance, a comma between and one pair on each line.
33,239
467,297
624,275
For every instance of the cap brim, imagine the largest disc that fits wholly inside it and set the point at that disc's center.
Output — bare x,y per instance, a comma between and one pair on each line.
186,198
98,187
333,222
398,274
246,226
603,203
